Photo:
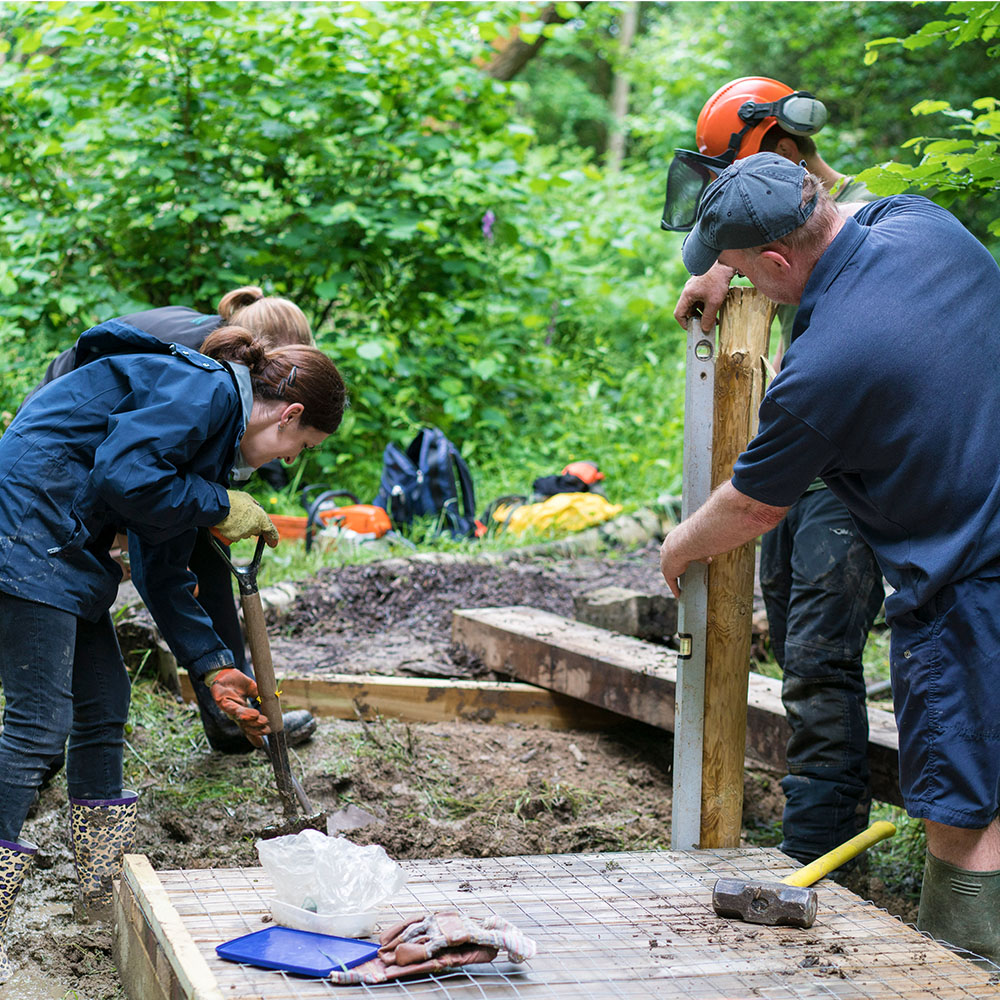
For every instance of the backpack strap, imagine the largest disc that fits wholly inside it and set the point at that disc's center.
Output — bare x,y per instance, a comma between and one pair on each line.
465,483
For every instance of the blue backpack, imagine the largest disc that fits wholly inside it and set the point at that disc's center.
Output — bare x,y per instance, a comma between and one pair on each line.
421,482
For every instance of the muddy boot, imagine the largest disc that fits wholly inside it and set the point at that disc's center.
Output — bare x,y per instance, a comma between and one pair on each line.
225,736
299,726
102,831
15,860
961,908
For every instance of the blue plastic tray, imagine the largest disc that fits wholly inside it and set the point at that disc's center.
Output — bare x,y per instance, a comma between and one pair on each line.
301,952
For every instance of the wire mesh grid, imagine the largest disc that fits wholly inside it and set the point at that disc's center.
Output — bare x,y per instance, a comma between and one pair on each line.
623,926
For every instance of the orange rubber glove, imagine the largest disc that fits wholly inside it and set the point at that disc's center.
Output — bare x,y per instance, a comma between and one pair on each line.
232,689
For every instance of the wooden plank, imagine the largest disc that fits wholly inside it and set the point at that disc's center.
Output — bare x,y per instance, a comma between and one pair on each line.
744,328
155,954
637,679
418,699
617,672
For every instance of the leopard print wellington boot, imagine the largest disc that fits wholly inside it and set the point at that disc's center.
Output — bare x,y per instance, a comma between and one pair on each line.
15,860
102,831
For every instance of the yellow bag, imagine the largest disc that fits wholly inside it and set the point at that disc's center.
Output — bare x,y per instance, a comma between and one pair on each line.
561,512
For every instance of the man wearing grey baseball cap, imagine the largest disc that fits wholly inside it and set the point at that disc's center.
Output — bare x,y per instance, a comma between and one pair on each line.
752,203
889,393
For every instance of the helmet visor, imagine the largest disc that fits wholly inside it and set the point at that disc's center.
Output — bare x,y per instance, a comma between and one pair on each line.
689,174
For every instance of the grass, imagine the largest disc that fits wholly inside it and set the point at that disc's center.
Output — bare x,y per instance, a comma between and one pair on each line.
161,737
899,861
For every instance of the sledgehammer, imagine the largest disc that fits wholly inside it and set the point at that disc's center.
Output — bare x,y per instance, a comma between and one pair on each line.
789,903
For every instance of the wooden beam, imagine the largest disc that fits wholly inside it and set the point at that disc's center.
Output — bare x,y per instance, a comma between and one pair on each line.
419,699
637,679
153,950
744,328
617,672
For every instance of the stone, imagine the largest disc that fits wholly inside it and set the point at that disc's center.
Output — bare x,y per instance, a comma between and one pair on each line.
645,616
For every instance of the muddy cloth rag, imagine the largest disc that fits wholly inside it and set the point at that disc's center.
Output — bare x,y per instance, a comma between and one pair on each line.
437,942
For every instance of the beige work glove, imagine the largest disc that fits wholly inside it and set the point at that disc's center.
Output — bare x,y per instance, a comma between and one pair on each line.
246,517
436,942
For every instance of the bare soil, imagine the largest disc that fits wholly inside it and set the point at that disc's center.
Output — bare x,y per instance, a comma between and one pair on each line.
432,790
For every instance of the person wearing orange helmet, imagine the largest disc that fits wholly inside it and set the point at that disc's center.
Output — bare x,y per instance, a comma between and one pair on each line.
821,584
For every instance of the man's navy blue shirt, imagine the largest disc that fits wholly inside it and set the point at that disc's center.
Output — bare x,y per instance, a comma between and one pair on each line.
890,391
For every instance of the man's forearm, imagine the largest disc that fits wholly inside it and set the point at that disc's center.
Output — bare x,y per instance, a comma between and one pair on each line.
727,520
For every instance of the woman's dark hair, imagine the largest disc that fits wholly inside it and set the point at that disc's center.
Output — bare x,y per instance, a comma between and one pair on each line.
292,374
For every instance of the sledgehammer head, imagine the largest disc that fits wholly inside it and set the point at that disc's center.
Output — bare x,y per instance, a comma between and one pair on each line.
773,903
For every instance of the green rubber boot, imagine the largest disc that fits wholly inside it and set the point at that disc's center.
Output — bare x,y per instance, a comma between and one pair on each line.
102,831
15,860
962,908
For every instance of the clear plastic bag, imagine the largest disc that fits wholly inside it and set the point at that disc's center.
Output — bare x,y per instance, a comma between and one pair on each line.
328,883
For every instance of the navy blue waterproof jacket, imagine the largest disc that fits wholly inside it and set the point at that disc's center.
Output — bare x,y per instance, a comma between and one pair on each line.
142,438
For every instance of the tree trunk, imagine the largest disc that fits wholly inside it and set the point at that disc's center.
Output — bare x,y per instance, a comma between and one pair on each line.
514,54
619,93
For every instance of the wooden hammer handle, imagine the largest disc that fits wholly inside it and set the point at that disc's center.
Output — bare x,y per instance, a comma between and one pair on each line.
832,860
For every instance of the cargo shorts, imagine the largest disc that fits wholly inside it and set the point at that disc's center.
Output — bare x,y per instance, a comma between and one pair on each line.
945,664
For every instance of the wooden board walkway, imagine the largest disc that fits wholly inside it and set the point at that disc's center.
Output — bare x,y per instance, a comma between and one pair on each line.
637,679
631,926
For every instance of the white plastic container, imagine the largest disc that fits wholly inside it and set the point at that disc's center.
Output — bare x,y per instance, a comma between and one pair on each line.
357,925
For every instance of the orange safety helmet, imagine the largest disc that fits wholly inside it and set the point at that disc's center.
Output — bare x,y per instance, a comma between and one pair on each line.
732,124
740,113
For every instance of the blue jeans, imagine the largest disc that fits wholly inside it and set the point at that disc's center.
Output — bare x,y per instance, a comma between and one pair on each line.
63,677
822,589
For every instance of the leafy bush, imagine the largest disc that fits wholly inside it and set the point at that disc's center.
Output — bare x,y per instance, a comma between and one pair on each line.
356,159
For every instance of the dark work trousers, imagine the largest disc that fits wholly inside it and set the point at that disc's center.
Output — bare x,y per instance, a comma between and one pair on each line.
63,677
822,589
215,595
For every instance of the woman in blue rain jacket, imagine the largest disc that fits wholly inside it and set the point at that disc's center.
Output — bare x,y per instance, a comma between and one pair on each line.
274,321
142,436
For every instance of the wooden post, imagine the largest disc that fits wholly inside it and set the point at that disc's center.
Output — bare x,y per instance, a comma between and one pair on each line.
744,328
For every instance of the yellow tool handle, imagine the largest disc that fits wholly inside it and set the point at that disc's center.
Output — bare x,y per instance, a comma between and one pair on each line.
815,870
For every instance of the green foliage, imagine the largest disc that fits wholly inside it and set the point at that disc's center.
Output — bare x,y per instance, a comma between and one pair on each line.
344,155
963,166
876,655
454,240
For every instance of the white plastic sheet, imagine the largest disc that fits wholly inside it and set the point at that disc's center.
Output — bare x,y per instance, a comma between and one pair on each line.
327,876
